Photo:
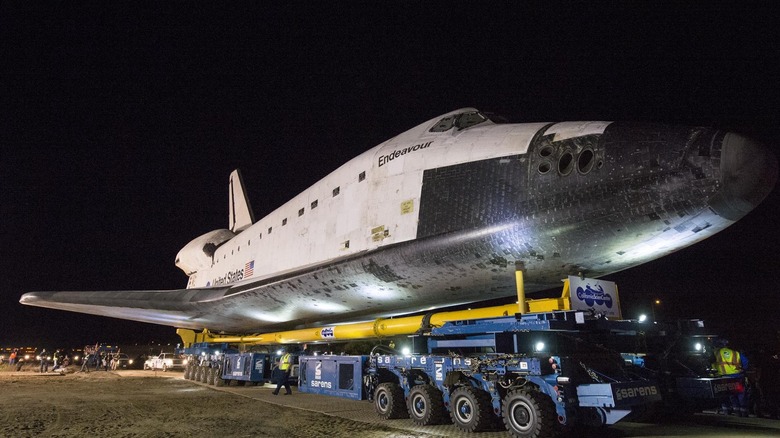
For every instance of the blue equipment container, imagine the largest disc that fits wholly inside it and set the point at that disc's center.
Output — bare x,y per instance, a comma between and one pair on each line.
246,367
340,376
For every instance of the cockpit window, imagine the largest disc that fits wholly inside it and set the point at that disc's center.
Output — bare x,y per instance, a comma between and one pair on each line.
444,124
460,121
467,120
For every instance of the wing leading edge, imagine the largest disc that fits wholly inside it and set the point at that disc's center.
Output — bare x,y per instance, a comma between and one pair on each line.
177,307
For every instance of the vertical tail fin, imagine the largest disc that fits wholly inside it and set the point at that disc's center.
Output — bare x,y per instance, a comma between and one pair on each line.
241,216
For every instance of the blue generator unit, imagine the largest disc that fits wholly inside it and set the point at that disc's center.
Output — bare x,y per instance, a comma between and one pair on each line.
339,376
246,367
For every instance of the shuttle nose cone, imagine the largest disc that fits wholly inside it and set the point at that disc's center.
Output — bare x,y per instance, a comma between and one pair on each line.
748,174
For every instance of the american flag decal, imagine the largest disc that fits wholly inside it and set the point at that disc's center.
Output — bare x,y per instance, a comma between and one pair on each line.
249,269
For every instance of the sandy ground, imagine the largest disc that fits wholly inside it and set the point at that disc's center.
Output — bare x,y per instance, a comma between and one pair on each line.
120,405
157,404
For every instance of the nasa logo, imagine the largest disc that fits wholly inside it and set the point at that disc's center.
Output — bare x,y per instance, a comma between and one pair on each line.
327,332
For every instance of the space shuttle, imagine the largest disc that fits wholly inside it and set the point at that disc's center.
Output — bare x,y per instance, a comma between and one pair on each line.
440,214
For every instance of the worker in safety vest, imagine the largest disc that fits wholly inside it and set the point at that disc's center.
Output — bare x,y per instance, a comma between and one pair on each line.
731,363
285,366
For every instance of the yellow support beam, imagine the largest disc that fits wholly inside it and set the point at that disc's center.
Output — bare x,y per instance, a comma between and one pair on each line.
552,304
520,285
379,328
388,327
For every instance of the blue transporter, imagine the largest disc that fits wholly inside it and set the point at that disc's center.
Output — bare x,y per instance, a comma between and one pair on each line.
532,375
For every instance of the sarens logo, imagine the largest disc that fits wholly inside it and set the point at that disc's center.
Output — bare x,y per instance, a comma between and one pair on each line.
640,391
728,387
230,277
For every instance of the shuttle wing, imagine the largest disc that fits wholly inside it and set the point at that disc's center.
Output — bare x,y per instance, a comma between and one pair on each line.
176,307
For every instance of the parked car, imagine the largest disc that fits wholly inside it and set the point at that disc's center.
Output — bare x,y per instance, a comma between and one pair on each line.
124,362
165,362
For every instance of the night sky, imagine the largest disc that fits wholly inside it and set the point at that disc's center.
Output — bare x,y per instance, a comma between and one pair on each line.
119,126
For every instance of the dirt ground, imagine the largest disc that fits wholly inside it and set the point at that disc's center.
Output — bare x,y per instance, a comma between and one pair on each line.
150,404
110,404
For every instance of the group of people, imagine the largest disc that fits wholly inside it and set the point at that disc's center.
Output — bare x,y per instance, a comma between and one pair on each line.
98,359
94,357
59,359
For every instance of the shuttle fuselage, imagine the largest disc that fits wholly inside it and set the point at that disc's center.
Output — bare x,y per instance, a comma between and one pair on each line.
439,215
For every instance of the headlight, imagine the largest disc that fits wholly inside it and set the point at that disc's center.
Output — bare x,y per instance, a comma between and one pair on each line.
185,361
130,362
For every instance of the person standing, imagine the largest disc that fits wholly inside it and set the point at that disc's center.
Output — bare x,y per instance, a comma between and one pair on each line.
85,360
12,357
731,363
44,361
285,366
114,360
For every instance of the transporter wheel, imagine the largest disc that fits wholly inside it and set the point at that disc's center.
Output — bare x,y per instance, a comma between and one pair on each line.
471,409
389,401
210,374
219,381
529,414
187,370
201,374
426,405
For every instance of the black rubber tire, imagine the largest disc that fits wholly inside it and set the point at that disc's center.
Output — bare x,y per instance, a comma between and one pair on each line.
426,406
389,401
471,409
201,374
219,381
188,372
529,414
210,374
